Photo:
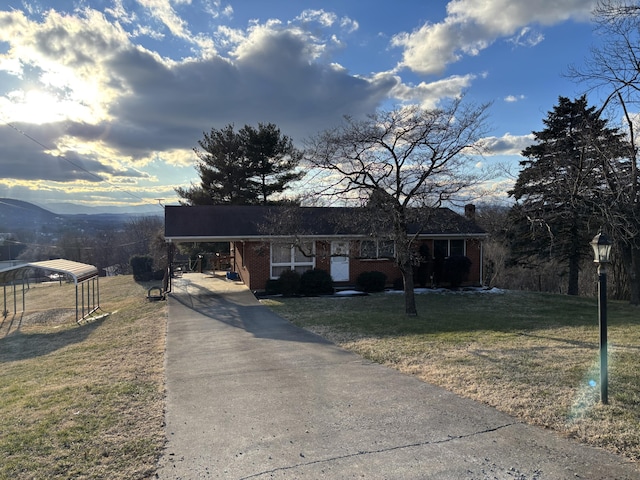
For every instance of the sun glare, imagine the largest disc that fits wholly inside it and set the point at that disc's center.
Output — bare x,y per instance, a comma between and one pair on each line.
38,107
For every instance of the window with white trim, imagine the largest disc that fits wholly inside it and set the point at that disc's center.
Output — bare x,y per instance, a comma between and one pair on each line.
286,256
372,249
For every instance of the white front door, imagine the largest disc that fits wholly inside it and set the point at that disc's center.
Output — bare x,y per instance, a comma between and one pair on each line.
340,261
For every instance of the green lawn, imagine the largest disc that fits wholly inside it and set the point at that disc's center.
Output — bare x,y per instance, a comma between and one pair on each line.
532,355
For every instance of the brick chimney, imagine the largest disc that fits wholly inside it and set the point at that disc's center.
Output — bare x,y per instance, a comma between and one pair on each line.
470,211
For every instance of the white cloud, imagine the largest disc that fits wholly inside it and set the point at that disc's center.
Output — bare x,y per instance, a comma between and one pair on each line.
514,98
349,25
507,144
120,13
527,37
133,105
428,95
163,11
63,56
473,25
146,30
325,19
216,9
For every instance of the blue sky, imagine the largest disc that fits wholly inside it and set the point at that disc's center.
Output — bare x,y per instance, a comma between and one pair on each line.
102,101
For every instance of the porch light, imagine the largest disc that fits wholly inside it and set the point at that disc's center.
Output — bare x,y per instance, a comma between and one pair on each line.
601,248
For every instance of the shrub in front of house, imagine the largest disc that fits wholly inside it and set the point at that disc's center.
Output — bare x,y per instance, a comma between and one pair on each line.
456,269
142,267
272,287
371,281
158,274
316,282
289,283
421,271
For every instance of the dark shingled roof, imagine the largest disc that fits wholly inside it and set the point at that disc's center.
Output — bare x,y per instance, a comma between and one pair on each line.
231,222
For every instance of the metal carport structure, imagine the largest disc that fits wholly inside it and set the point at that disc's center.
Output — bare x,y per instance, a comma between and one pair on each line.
81,273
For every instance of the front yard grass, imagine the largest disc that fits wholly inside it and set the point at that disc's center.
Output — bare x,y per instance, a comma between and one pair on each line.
532,355
82,401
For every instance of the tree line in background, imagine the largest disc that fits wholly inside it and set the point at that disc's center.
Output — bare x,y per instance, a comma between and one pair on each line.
110,248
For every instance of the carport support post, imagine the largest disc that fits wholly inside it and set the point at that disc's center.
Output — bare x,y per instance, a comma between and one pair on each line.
76,302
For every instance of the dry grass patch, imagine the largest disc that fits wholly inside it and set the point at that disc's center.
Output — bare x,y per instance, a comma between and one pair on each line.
534,356
82,401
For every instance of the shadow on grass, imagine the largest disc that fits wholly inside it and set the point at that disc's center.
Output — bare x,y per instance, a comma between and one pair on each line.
11,323
454,314
567,341
21,346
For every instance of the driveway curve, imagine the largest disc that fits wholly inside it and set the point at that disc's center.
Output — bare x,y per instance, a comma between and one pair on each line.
250,396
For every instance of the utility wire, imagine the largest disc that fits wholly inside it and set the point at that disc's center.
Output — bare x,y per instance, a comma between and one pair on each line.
44,245
80,167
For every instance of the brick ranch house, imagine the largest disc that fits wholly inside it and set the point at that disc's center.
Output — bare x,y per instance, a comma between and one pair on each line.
266,240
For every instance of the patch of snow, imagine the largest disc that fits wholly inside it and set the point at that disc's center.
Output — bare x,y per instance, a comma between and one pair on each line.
462,291
349,293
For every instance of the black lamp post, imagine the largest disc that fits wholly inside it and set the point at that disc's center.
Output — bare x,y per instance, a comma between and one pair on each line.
601,251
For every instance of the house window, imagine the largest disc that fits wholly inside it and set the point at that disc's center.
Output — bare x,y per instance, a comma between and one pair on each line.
456,247
377,249
285,256
448,248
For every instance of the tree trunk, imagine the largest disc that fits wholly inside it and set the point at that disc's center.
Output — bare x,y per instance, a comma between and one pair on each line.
409,293
634,276
630,263
574,255
574,269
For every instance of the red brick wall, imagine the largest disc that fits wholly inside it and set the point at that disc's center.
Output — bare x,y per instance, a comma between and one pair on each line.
252,262
356,266
323,256
388,267
474,253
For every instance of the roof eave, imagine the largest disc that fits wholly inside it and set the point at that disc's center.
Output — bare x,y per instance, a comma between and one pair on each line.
264,238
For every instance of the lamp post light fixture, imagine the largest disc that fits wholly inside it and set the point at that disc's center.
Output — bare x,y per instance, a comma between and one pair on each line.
601,251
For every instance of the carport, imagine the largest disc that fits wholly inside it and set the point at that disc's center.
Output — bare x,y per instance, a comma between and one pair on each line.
84,276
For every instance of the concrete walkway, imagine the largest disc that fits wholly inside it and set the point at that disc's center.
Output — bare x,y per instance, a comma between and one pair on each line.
251,396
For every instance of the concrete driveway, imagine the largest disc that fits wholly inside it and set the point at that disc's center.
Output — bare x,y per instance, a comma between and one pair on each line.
249,396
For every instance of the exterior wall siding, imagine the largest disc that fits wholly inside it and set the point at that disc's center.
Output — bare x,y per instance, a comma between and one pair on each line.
252,262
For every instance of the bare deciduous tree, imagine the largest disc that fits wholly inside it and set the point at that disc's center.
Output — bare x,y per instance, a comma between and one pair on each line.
403,163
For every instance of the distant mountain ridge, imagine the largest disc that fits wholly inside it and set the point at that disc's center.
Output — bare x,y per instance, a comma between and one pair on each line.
74,209
16,215
25,206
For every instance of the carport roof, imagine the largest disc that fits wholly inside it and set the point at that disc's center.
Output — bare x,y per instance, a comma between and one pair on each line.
78,271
